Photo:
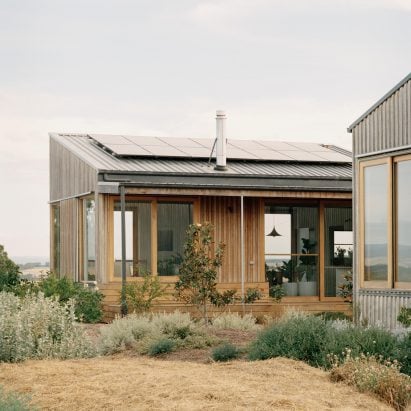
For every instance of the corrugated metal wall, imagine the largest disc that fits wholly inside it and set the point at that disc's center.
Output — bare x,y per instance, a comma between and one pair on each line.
382,307
388,126
69,176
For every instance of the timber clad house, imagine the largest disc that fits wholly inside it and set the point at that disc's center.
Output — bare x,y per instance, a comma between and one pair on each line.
283,211
382,200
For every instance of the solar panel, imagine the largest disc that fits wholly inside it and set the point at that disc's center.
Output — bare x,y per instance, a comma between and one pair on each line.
141,146
105,139
127,150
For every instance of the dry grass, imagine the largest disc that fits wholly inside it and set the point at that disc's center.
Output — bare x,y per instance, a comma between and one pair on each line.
140,383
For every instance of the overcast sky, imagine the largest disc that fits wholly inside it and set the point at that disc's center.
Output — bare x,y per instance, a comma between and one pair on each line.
283,70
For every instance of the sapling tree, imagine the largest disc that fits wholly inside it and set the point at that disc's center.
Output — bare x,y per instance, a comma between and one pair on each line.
197,283
9,272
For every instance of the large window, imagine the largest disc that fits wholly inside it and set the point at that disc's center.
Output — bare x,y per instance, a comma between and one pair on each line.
385,223
291,249
155,234
338,248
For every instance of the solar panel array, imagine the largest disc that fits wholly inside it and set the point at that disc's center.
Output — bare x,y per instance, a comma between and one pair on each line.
138,146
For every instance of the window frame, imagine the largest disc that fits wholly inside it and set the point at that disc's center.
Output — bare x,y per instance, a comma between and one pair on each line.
320,204
392,223
153,200
53,245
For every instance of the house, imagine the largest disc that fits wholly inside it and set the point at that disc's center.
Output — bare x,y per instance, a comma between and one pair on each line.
283,211
382,203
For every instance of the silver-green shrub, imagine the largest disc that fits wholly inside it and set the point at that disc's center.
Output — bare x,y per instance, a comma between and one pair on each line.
39,327
235,321
140,332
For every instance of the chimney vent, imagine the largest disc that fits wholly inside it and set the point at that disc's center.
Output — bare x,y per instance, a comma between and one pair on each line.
221,141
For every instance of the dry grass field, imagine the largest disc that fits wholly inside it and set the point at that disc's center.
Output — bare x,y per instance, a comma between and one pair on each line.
124,382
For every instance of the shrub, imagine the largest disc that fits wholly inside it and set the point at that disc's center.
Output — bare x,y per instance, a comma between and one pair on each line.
140,332
39,327
298,336
236,322
88,302
140,296
369,374
225,352
404,353
334,315
404,316
163,346
11,401
9,271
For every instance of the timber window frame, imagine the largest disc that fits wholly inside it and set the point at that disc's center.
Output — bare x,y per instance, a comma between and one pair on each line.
325,270
392,224
153,202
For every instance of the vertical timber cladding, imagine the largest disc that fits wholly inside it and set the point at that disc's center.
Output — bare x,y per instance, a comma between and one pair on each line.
225,215
104,233
69,238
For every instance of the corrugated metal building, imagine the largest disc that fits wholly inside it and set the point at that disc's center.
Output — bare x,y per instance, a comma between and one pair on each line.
302,190
382,204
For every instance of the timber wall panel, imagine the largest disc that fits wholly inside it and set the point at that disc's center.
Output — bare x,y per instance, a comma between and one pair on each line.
104,231
69,214
69,175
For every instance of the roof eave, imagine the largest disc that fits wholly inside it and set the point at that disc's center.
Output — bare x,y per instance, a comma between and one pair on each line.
379,102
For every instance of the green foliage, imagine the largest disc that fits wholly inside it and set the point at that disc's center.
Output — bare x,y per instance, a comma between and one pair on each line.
346,288
197,283
163,346
277,292
404,316
12,401
252,295
371,374
334,315
300,337
88,302
313,339
9,272
225,352
38,327
140,295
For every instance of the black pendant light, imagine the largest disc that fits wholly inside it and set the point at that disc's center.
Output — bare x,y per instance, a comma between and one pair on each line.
274,233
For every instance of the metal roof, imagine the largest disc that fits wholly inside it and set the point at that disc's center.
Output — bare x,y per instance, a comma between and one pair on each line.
379,102
105,163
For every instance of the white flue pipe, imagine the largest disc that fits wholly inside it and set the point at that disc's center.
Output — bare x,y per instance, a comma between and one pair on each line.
221,145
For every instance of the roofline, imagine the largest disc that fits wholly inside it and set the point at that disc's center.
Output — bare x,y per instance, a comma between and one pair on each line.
379,102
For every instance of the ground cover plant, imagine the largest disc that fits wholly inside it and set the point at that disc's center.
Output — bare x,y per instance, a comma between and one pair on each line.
38,327
234,321
225,352
312,339
11,401
143,332
371,374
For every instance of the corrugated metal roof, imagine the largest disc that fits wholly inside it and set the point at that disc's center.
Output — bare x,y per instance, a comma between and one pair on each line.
103,161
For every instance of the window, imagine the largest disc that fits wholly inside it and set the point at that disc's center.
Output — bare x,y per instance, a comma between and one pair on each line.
56,244
338,247
89,240
385,223
155,234
291,249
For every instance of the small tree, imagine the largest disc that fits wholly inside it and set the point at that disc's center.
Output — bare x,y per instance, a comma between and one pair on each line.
9,272
197,283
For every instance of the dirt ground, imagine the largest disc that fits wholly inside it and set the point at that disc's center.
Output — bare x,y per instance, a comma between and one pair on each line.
141,383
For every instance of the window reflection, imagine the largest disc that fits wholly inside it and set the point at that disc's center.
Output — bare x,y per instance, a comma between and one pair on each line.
375,223
403,173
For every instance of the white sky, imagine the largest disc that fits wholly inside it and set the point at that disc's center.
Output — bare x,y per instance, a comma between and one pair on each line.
284,70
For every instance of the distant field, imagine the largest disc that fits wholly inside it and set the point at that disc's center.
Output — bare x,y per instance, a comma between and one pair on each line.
141,383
